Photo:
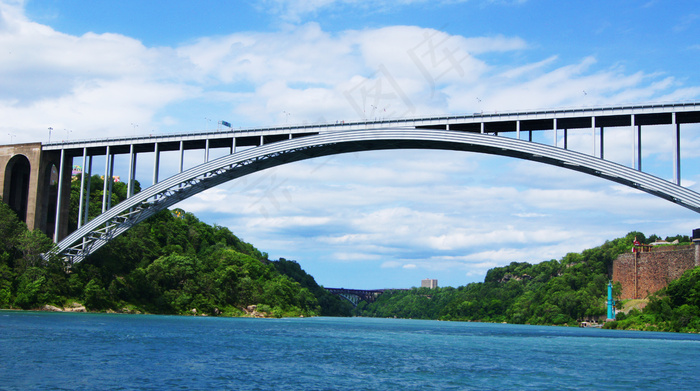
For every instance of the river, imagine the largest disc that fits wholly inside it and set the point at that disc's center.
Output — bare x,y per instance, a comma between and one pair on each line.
70,351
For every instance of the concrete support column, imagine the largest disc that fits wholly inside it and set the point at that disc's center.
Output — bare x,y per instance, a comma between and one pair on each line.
555,133
111,181
156,163
206,151
106,181
82,190
182,154
233,145
132,173
86,215
517,130
566,138
59,200
37,202
677,152
639,147
593,135
602,142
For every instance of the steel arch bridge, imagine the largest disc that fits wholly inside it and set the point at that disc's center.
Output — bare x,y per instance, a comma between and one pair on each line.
27,170
90,237
354,296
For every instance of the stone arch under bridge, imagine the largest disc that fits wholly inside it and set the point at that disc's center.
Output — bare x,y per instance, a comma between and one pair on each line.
16,186
81,243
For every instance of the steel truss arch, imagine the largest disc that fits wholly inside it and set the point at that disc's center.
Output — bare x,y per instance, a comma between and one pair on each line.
93,235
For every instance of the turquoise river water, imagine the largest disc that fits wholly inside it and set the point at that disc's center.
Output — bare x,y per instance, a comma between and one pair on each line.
68,351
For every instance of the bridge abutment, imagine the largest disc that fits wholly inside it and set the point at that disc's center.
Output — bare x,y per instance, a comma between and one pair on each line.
26,185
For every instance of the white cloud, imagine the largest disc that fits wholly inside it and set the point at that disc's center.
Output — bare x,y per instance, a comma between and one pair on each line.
530,215
87,85
391,265
353,257
297,10
96,83
528,69
464,239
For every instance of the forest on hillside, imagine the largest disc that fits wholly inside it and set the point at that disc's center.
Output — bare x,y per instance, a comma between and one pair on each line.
170,264
555,292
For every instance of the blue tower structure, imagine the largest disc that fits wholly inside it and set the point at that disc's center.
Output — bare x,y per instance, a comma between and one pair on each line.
611,303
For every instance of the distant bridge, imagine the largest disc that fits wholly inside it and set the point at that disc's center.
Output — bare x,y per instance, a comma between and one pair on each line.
354,296
26,169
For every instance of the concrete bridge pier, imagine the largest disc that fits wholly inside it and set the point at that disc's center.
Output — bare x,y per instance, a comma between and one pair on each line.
29,187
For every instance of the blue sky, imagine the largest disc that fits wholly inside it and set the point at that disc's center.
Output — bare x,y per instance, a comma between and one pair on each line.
381,219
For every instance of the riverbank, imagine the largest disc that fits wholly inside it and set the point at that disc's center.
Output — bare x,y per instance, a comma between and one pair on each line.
250,311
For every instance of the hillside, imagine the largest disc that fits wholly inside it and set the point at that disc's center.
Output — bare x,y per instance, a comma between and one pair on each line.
170,264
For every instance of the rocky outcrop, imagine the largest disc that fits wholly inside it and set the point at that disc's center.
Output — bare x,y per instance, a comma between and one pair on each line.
75,307
72,307
252,311
510,276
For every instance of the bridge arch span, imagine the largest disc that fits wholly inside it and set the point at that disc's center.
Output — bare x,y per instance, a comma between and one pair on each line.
137,208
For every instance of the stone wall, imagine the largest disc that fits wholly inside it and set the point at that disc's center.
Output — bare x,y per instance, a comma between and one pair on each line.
644,273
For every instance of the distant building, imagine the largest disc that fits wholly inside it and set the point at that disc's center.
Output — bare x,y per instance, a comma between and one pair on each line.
428,283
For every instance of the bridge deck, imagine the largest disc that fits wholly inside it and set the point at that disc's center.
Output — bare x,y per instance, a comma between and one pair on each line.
537,120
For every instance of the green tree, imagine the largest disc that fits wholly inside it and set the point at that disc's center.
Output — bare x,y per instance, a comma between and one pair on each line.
96,296
31,288
6,279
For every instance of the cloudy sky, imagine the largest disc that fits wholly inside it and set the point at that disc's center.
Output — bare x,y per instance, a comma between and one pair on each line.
91,69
